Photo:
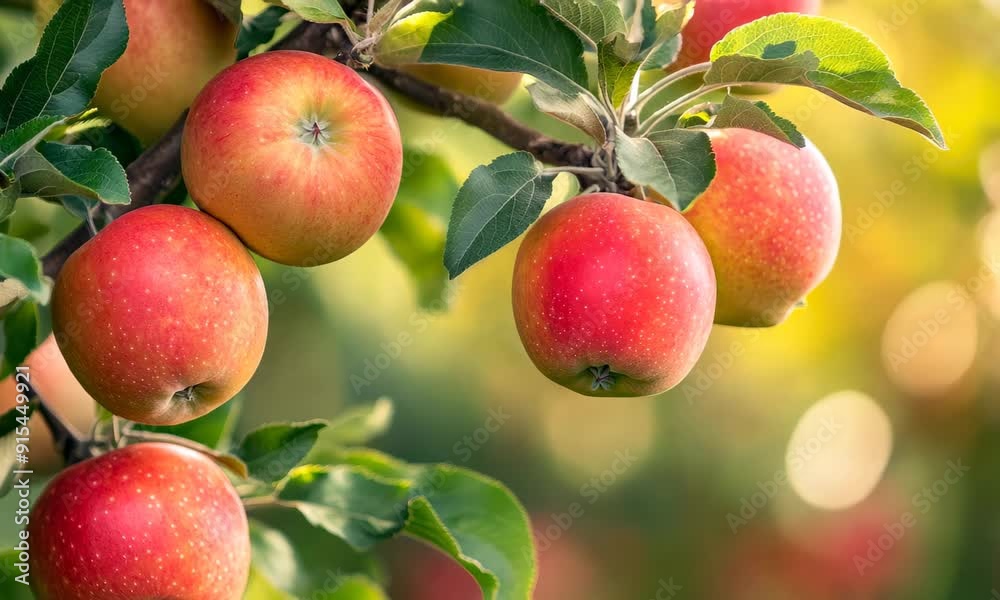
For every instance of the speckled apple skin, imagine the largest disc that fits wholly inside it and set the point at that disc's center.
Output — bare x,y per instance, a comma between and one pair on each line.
606,279
291,201
713,19
162,300
772,221
146,521
175,47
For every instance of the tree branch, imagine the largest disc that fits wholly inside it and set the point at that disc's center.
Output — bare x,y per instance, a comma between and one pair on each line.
157,171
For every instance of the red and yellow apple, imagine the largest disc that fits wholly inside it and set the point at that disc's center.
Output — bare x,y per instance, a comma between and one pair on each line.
175,47
492,86
52,379
771,220
613,296
145,521
162,316
297,153
713,19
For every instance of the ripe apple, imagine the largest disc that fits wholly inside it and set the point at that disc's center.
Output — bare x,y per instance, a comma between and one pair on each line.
174,48
145,521
162,316
52,379
771,220
713,19
613,296
297,153
492,86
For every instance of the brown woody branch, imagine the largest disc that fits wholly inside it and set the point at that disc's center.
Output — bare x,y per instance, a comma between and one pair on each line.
157,171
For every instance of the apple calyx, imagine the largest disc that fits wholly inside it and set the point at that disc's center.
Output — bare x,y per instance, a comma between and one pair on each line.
604,378
315,131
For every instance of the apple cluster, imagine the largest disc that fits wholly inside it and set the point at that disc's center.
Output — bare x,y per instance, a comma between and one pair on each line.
162,316
616,296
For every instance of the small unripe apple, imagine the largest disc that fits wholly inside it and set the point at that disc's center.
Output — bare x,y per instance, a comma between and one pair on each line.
162,316
613,296
52,379
174,48
146,521
492,86
771,220
713,19
297,153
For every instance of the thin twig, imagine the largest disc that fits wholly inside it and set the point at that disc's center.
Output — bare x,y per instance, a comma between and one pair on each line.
652,91
660,115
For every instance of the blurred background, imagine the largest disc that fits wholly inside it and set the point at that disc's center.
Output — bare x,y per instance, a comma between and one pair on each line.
852,452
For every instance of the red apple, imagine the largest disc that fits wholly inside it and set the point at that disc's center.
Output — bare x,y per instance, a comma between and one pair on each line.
613,296
52,379
713,19
492,86
174,48
297,153
771,220
162,316
145,521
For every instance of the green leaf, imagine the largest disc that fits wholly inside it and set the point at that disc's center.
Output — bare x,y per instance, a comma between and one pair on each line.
677,163
416,226
19,261
16,142
659,33
54,170
349,502
272,450
514,35
230,9
594,20
318,11
578,110
83,38
20,333
9,451
495,205
826,55
473,519
12,292
360,425
9,194
477,522
384,16
617,66
212,430
305,561
757,116
259,30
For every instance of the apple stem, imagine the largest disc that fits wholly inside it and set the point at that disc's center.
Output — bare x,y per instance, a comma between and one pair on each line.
651,92
604,378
